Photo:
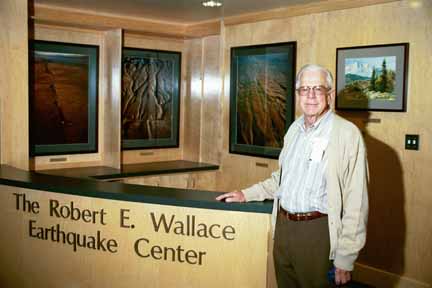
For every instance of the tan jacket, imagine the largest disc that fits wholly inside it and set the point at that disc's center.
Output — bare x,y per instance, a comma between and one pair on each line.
347,177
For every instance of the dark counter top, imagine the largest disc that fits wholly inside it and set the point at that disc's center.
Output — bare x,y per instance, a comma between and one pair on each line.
132,170
125,192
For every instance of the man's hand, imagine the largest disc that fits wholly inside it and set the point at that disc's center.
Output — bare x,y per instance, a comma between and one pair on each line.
234,196
342,276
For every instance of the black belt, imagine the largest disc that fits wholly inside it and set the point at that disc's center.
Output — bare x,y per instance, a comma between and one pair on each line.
301,216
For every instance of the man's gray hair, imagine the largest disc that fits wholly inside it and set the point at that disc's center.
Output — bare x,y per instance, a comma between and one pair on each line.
315,67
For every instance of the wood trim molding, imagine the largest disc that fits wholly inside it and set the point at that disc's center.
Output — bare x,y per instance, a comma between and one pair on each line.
44,14
381,278
301,9
202,29
49,15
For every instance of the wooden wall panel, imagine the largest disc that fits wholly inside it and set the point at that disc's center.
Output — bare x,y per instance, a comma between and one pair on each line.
399,234
193,180
200,137
166,44
152,42
238,171
67,34
211,132
203,139
203,29
95,37
151,155
14,148
193,100
112,101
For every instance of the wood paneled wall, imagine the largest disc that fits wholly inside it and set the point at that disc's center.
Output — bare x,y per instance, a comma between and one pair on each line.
399,248
211,130
202,103
192,180
166,44
193,100
112,101
109,43
13,78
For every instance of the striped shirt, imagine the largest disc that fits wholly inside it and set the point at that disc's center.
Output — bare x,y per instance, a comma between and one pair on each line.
303,184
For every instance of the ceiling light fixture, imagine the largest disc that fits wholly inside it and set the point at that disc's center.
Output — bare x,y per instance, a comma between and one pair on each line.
211,3
415,3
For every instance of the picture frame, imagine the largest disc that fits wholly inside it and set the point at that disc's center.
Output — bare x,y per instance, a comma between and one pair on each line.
372,78
150,98
262,90
63,98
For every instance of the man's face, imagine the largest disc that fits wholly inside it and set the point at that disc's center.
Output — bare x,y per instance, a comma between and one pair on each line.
314,104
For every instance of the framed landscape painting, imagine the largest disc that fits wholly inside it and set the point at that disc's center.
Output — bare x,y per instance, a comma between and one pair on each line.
150,98
261,98
372,77
63,98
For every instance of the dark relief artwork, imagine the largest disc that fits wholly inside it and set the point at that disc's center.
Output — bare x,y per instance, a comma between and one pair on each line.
63,88
262,95
150,97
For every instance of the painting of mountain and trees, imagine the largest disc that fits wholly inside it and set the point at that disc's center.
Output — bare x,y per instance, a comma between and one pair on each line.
371,78
261,98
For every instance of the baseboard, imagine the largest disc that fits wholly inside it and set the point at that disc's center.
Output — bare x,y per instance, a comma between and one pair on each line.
383,279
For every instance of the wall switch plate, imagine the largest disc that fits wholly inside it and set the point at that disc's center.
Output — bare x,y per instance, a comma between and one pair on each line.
412,142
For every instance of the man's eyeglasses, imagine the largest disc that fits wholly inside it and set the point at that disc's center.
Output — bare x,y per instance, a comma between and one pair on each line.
317,90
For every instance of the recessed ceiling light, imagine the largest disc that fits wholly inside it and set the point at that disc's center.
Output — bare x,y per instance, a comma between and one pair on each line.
211,3
415,3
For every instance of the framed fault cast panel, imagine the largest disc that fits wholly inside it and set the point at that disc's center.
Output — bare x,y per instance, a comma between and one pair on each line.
63,98
150,98
261,98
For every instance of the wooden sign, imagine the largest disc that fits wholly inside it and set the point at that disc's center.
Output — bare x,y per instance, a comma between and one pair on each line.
60,240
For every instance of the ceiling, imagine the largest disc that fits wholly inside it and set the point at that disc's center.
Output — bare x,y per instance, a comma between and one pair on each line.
179,11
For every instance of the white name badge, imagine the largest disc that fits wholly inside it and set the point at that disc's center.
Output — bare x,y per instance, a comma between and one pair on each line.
318,147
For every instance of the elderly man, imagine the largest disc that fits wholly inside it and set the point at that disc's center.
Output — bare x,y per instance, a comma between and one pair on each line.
320,190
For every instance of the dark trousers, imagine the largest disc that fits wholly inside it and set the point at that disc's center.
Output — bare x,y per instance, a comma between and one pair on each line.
301,253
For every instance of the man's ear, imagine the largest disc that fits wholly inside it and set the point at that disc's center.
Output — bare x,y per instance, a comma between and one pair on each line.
331,96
